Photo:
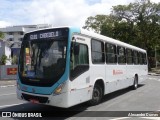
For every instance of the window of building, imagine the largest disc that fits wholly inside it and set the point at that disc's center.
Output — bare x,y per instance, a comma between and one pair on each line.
97,52
21,33
129,56
10,33
121,55
20,39
11,39
79,63
111,53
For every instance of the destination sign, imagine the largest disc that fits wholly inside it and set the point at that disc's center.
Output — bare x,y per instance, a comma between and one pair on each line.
44,35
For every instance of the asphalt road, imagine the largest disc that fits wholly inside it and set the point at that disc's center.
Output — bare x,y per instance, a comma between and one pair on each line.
145,98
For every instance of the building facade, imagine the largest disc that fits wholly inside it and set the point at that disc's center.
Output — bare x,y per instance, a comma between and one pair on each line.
14,35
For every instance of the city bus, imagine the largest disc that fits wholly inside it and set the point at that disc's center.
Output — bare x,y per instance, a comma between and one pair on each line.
66,66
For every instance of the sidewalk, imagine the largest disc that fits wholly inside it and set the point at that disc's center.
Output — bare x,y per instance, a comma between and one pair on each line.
7,83
154,71
154,74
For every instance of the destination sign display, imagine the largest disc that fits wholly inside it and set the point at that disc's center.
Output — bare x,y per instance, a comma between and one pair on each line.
44,34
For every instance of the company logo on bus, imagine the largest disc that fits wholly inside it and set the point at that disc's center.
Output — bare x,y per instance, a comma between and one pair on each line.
117,72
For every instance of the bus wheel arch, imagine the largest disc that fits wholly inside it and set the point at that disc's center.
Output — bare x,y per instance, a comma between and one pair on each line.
98,92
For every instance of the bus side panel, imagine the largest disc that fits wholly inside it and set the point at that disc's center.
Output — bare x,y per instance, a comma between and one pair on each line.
142,73
80,89
116,81
116,78
77,96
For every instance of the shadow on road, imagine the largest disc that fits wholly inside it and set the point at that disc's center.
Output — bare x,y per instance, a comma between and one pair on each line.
80,110
119,93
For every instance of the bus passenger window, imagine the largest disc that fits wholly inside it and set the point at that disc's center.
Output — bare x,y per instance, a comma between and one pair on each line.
121,55
97,52
140,58
129,56
135,54
111,53
144,59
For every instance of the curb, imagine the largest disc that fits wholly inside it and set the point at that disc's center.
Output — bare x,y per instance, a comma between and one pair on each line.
154,74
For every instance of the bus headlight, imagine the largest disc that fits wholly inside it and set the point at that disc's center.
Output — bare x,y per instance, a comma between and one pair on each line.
58,90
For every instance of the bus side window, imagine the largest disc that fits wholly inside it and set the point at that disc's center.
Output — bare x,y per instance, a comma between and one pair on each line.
144,57
97,52
140,58
135,57
129,56
111,53
121,55
79,62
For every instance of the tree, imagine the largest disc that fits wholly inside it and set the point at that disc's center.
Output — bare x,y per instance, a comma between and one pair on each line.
95,23
137,23
14,60
3,60
1,35
145,16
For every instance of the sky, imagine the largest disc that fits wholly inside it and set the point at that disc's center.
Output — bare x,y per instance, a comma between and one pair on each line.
55,12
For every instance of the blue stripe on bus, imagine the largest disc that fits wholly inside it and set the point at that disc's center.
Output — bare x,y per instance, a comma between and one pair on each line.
50,90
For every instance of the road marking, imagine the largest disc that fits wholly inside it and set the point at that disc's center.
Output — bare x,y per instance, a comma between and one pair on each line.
152,78
7,86
10,105
7,94
121,118
150,118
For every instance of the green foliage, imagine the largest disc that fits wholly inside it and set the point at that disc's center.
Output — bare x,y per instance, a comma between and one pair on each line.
95,23
1,35
3,60
137,23
14,60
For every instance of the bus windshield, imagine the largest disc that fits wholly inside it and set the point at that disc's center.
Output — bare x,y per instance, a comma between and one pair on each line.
42,61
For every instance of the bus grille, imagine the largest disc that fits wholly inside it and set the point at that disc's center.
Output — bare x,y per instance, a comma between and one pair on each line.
38,98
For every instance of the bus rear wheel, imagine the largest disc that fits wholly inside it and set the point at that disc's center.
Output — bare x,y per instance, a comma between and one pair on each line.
135,85
96,95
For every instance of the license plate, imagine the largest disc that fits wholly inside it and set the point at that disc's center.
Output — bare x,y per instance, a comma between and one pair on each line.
34,101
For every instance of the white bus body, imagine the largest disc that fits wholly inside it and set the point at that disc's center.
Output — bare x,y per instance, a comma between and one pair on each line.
80,88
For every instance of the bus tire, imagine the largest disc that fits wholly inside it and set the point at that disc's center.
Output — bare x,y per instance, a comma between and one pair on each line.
135,84
96,95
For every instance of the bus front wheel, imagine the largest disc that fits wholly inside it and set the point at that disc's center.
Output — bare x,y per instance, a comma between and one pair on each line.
96,95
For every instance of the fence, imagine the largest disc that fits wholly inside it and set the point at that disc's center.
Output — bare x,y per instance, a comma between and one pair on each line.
8,72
